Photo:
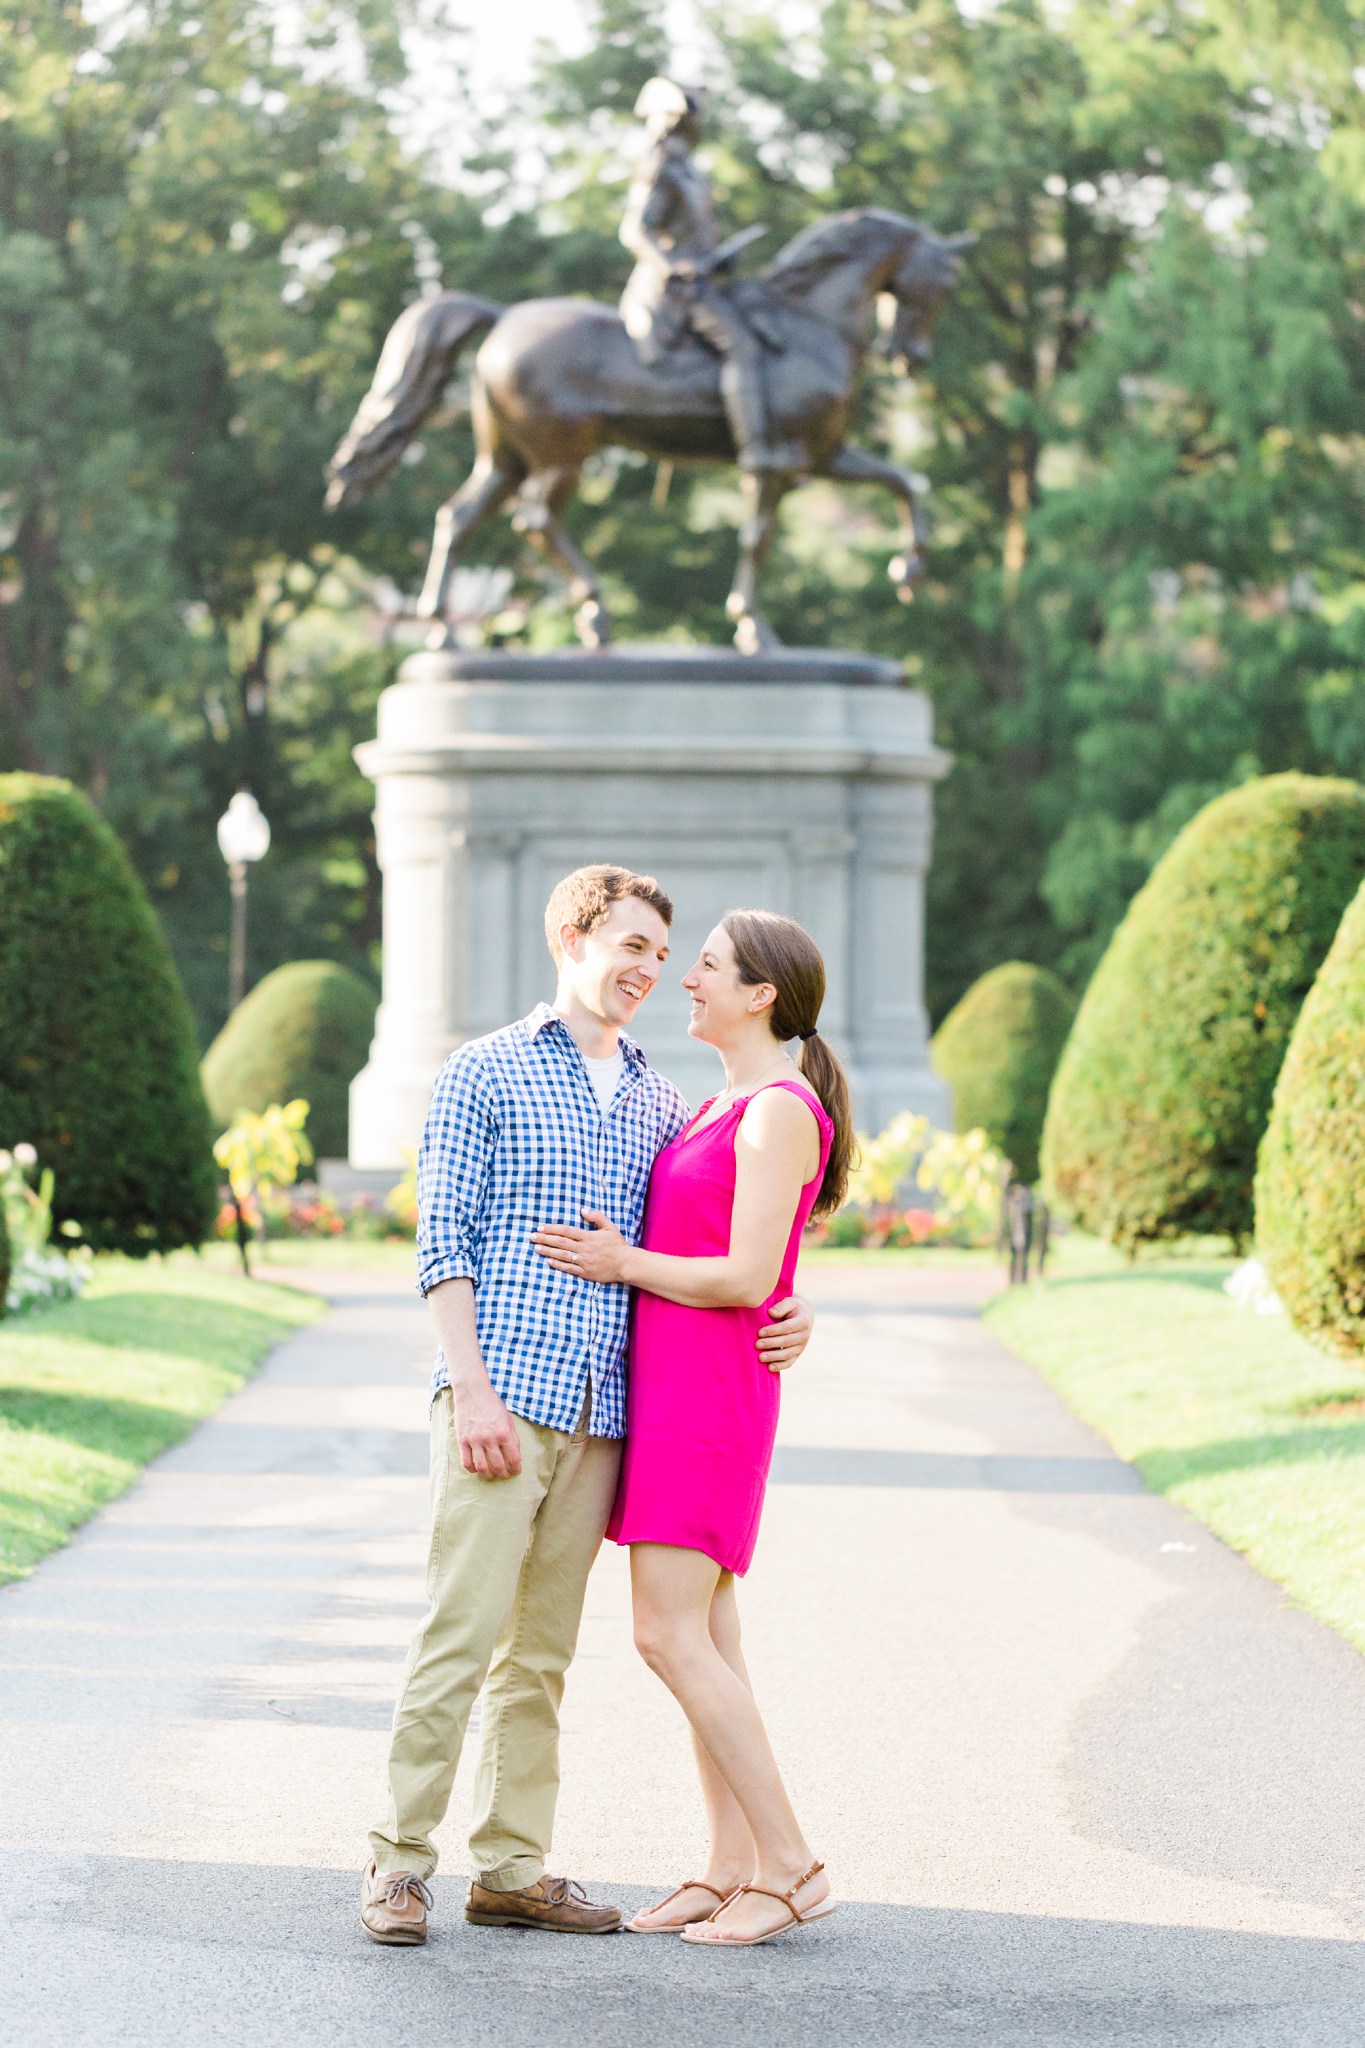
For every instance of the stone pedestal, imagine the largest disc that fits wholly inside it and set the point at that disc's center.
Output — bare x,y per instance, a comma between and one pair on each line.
799,782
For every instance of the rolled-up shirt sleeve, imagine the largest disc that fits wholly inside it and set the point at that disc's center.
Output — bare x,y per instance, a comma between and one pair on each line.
453,1172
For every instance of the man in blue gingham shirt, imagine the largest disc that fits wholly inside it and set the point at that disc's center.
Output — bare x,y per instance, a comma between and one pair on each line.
514,1138
556,1115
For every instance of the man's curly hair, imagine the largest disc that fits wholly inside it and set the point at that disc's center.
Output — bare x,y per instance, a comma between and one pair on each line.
584,899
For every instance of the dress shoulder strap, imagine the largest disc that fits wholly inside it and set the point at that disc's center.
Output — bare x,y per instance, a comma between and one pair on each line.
811,1100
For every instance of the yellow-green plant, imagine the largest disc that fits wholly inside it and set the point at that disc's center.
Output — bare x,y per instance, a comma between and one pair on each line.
260,1154
33,1269
401,1201
962,1170
886,1160
965,1173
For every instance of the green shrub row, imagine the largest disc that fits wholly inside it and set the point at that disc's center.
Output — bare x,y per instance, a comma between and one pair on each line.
98,1065
998,1050
1164,1089
304,1030
1310,1181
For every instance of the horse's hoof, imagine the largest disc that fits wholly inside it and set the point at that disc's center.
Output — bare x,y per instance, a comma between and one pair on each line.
755,636
592,624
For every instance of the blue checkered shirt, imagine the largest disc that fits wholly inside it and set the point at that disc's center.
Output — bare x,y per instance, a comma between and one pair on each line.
514,1139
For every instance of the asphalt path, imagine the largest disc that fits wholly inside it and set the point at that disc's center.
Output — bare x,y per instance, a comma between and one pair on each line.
1078,1774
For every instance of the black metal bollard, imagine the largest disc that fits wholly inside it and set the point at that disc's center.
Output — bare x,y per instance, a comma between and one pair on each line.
1024,1230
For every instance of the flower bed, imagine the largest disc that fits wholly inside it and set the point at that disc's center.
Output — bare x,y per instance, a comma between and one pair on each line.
306,1211
960,1173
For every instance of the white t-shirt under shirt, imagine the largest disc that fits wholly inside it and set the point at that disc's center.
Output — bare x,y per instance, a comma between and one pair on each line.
605,1075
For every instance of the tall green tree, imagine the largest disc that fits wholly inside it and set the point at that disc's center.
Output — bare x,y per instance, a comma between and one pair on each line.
1139,424
1054,144
204,234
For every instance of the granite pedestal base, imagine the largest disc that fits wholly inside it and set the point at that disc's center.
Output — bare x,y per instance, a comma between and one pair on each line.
798,781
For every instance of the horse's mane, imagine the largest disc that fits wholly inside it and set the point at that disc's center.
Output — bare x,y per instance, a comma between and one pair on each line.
815,251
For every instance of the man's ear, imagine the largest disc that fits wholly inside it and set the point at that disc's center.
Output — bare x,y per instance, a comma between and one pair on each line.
570,941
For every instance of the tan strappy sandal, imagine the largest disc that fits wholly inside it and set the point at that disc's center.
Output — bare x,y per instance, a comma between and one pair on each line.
798,1919
693,1884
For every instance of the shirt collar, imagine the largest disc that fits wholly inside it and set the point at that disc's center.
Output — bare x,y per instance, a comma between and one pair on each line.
542,1017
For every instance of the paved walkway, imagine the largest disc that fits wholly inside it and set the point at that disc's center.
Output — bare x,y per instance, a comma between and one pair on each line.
1080,1776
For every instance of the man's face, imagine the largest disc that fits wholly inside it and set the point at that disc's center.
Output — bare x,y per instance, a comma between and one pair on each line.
610,971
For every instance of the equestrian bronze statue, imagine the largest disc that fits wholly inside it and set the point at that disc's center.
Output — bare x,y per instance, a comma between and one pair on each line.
761,372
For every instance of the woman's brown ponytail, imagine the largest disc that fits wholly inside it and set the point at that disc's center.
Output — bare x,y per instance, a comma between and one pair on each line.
781,951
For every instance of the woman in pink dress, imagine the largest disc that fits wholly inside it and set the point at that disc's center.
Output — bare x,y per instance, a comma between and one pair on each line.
728,1200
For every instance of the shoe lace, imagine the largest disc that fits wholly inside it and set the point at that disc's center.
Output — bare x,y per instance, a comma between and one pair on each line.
401,1887
559,1890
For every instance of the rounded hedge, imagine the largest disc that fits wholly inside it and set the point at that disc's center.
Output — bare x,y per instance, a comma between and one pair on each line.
998,1049
1165,1085
304,1030
1310,1179
4,1258
98,1062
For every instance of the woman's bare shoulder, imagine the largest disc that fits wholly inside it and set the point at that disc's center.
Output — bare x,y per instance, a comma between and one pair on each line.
778,1111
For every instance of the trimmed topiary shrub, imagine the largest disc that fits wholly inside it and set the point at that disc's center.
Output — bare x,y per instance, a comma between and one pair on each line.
4,1258
1310,1180
98,1063
304,1030
998,1049
1165,1085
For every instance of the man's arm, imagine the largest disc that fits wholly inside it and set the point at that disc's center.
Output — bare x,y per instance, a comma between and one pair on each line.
453,1170
773,1147
489,1444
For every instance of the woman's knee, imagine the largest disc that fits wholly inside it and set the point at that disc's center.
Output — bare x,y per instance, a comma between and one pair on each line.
654,1637
666,1642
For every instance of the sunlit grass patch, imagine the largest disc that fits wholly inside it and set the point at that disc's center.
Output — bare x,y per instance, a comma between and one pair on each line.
90,1390
1256,1432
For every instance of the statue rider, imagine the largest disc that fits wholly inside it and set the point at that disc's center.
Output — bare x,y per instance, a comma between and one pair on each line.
670,230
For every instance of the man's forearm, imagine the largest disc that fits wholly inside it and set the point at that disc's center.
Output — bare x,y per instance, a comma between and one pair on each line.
489,1444
452,1310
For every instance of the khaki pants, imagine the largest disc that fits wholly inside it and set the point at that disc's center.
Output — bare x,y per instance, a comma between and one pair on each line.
506,1574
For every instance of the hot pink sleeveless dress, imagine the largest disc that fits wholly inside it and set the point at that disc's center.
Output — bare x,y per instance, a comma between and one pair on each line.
701,1407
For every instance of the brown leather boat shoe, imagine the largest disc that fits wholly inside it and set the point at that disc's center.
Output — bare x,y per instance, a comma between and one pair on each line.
552,1903
393,1908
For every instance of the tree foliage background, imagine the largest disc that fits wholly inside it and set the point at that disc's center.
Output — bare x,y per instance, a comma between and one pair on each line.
1142,422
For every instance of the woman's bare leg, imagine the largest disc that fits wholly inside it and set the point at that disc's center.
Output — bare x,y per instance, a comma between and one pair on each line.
733,1854
674,1593
732,1858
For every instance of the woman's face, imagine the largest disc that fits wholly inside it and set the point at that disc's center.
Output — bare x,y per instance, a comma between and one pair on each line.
722,1004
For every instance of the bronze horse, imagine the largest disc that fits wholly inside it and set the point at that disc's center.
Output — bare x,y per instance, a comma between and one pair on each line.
555,380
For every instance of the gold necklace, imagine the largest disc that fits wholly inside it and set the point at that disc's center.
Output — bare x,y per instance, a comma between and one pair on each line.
781,1061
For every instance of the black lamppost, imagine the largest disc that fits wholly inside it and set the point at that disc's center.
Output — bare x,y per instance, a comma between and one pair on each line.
243,837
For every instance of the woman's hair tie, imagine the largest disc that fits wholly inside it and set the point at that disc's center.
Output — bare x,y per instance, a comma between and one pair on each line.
809,1033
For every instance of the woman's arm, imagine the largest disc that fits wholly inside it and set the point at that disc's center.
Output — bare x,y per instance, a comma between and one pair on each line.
776,1153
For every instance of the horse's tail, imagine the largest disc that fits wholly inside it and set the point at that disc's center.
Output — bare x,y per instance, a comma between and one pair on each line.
413,370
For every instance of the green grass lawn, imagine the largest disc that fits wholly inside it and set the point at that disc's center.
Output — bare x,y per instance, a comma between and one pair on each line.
319,1255
91,1389
1259,1434
924,1258
1070,1252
